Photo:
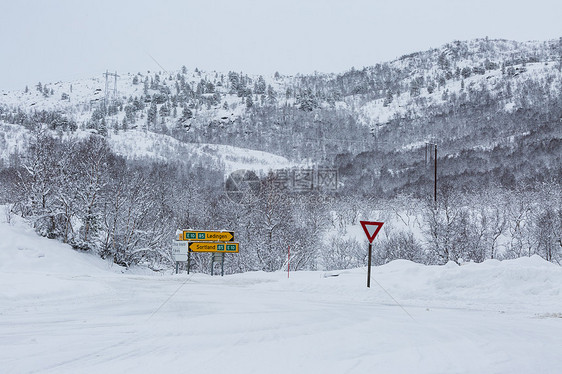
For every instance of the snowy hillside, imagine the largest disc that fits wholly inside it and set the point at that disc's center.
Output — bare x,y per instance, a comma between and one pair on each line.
431,73
66,312
378,113
136,144
140,145
467,96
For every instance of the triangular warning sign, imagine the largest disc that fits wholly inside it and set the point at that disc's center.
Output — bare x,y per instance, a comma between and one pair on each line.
371,229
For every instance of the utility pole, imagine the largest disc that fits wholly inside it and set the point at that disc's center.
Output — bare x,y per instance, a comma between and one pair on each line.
107,74
435,176
428,154
114,98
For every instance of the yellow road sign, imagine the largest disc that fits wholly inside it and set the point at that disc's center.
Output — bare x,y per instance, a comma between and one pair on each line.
221,247
209,236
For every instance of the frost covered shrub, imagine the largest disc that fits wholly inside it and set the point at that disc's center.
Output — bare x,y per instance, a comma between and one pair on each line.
344,254
45,226
400,245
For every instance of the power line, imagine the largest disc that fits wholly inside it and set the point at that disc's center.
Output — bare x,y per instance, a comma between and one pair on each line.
392,297
157,63
170,297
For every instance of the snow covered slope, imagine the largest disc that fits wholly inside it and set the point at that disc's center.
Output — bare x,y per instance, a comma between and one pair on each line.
135,144
138,145
67,312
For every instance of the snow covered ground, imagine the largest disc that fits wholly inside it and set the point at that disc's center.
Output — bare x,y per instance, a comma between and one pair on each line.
67,312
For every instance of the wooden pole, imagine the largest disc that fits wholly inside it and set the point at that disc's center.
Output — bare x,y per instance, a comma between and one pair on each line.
435,176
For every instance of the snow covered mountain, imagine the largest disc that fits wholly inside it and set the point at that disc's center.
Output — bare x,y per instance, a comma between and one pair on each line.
164,143
471,98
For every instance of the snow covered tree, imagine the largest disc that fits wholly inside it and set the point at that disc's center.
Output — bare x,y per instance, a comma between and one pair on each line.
271,95
36,180
306,100
260,86
92,164
444,222
151,115
249,102
388,99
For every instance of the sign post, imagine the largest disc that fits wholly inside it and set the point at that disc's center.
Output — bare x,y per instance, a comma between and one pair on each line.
208,236
222,247
217,242
217,258
180,252
371,230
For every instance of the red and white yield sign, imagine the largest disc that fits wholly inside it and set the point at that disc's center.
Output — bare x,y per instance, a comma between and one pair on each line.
371,229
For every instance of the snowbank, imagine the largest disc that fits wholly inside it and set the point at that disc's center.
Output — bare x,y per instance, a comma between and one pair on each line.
65,312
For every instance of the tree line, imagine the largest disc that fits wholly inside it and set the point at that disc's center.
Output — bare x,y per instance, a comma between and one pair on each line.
78,191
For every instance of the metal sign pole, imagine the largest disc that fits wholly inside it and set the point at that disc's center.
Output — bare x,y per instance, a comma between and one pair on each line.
371,230
188,261
222,265
369,266
177,266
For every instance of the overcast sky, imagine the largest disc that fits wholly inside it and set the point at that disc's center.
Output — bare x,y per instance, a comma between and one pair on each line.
56,40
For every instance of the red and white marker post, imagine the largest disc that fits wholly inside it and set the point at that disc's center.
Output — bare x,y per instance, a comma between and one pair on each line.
371,230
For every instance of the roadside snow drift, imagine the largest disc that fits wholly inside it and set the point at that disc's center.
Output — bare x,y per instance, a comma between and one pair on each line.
68,312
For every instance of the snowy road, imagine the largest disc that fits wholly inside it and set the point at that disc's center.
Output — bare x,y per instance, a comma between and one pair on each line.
247,324
64,312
